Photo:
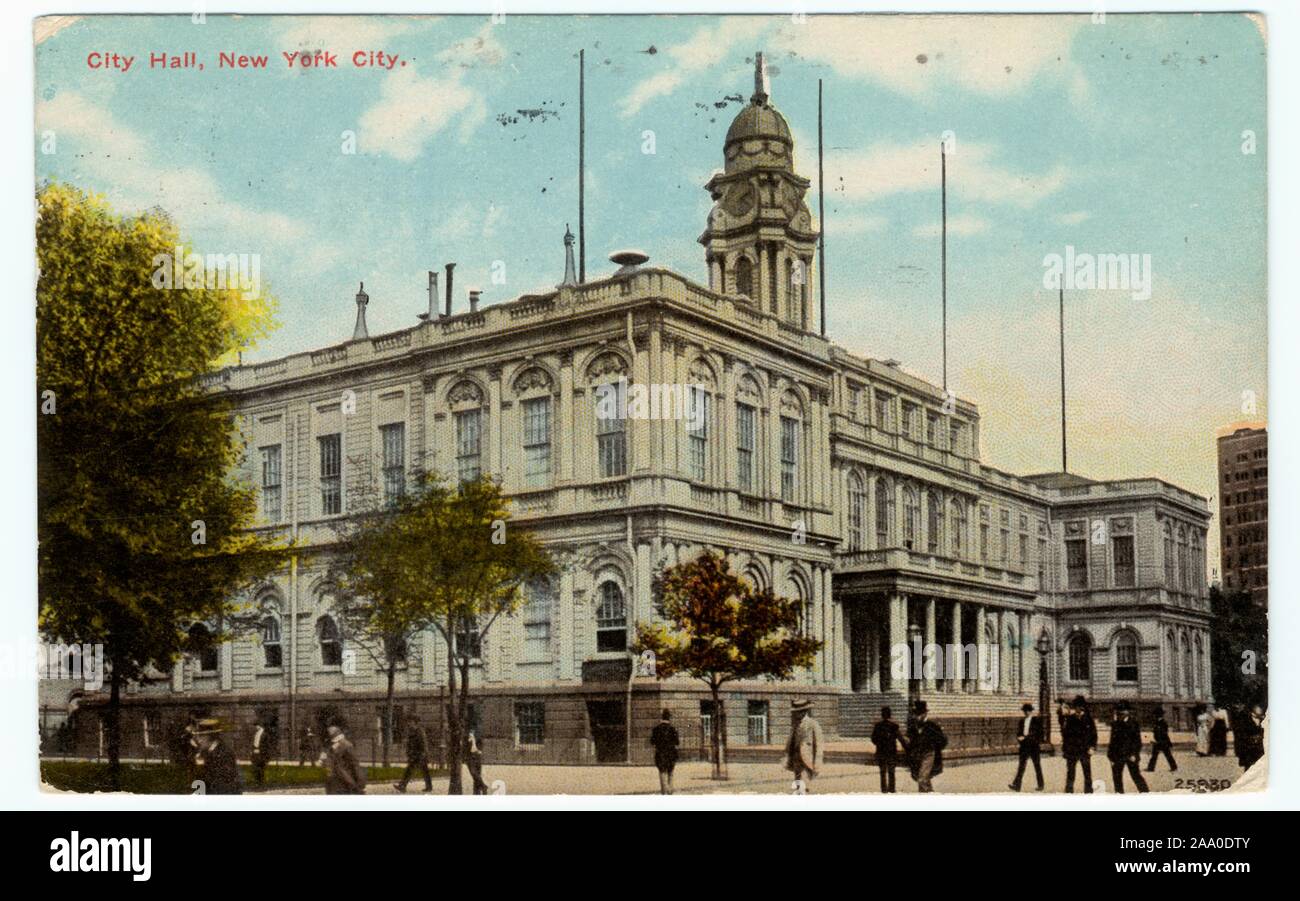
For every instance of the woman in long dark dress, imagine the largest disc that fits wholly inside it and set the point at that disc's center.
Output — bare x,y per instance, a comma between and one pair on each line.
1219,734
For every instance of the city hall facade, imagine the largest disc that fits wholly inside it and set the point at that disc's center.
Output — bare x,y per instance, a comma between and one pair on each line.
834,479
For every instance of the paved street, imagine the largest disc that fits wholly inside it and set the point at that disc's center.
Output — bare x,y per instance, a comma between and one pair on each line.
769,778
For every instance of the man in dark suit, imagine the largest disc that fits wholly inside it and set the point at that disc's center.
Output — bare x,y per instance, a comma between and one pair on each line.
925,743
1078,741
214,764
417,756
1161,743
1125,748
886,738
1248,736
1029,737
663,738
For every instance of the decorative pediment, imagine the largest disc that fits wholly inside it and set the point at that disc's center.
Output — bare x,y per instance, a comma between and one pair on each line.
606,364
465,392
533,378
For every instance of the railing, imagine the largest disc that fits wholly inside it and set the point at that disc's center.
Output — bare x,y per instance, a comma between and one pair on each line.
329,355
613,491
389,342
273,368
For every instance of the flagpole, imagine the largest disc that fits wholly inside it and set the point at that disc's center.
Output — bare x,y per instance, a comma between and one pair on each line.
821,217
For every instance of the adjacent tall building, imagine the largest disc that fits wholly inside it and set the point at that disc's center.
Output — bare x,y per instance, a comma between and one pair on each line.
836,479
1243,511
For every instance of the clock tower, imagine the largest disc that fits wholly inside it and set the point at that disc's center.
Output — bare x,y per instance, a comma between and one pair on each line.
760,240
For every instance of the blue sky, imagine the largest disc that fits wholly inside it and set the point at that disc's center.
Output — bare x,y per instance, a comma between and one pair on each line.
1121,137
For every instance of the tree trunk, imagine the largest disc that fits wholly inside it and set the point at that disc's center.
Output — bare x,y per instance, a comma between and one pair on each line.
115,732
388,709
454,740
718,737
462,714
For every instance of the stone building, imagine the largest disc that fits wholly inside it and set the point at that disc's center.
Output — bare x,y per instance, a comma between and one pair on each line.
1243,511
835,479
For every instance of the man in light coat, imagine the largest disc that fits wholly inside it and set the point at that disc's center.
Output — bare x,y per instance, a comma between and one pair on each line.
806,746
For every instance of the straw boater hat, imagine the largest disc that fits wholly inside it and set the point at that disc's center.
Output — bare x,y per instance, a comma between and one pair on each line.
801,705
208,727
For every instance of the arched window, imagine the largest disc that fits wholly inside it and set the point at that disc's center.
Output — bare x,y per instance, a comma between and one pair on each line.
1126,658
537,620
698,410
272,651
990,659
857,510
745,277
466,402
611,619
884,512
957,514
933,522
331,646
1169,556
1079,652
204,648
608,376
911,516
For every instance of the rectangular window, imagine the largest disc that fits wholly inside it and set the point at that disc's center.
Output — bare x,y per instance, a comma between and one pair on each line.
330,448
789,457
469,445
271,477
698,428
909,420
854,395
537,442
984,542
1004,549
955,437
884,411
1042,562
1122,549
392,438
745,446
1126,661
932,429
757,717
1024,550
1076,562
468,641
530,723
611,429
537,623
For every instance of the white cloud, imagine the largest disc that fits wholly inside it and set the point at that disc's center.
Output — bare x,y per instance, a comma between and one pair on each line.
973,173
1073,218
910,54
957,225
121,165
468,221
698,53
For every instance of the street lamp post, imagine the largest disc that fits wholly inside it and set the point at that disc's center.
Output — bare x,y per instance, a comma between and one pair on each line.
1044,690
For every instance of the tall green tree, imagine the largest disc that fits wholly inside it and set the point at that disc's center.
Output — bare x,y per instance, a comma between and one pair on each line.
444,557
718,628
1238,649
142,531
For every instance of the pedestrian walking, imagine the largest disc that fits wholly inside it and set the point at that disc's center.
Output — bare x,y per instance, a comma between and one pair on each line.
308,748
1160,743
1125,748
343,772
1248,737
886,737
663,738
806,746
1029,742
417,756
214,764
1219,733
474,761
1204,724
259,753
925,743
1078,741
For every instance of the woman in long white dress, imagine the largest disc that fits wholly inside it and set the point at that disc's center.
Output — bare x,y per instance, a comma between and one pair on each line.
1203,722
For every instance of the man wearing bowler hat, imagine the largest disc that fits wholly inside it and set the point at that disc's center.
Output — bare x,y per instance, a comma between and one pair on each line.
1078,741
1160,743
806,745
925,744
1125,748
1030,738
214,764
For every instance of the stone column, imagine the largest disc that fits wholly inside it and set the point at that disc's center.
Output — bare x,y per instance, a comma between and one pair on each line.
564,431
495,419
981,650
930,675
897,631
957,659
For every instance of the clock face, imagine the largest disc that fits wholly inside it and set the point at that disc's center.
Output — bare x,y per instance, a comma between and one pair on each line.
739,200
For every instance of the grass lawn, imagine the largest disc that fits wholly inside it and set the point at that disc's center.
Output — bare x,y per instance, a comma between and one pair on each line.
169,779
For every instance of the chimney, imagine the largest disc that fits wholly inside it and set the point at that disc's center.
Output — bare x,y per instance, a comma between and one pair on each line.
433,297
473,299
570,277
362,299
449,267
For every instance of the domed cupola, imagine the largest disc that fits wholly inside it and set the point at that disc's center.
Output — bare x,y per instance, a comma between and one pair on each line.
759,242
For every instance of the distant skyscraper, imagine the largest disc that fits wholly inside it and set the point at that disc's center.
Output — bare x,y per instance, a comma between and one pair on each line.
1243,511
